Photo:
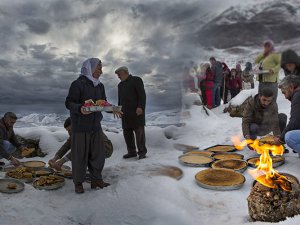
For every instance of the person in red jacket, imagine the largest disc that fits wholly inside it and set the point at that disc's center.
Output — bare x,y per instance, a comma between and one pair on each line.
208,83
234,83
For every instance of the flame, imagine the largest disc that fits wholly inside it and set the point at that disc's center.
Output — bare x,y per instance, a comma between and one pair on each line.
264,172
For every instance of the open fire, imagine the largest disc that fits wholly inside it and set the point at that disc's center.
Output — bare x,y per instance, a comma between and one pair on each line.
265,173
273,197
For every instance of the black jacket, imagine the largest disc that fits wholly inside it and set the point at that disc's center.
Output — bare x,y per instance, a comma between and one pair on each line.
294,123
289,56
81,90
7,134
132,95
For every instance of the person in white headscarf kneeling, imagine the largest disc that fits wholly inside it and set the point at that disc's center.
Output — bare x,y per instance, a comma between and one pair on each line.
87,136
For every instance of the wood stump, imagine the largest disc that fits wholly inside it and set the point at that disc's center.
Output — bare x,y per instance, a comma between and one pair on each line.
273,205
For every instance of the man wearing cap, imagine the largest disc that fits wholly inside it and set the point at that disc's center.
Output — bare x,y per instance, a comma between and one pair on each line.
132,98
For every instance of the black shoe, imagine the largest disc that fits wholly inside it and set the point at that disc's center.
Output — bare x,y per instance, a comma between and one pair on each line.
2,164
129,155
142,156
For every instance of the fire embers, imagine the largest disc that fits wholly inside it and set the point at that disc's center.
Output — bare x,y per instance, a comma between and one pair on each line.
274,205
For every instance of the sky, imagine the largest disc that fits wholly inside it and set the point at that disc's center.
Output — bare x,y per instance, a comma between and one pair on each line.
44,42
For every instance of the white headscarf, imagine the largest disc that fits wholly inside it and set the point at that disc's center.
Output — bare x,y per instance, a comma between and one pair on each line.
88,68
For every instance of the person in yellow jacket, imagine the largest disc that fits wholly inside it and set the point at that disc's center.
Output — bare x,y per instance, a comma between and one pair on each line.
269,63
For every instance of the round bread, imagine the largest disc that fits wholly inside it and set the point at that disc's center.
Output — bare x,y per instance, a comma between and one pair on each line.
11,185
233,164
221,148
205,153
224,155
219,178
34,164
195,160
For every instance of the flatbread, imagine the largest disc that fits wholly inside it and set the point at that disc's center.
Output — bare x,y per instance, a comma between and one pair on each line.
219,177
269,139
224,155
233,164
277,160
195,160
221,148
34,164
205,153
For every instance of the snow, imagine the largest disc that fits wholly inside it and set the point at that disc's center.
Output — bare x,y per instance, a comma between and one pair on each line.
135,195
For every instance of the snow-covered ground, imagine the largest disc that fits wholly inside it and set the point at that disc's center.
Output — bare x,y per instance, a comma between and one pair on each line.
135,196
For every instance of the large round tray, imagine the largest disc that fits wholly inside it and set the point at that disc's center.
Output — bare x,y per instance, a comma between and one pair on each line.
25,180
227,155
276,163
4,182
51,187
46,171
195,160
35,165
220,179
230,164
205,153
184,147
221,148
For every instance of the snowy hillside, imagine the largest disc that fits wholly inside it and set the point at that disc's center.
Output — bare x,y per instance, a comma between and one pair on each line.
250,24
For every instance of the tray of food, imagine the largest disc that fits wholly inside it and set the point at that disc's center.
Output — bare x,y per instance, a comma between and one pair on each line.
185,148
276,160
24,174
227,155
221,148
9,185
100,105
220,179
195,160
65,173
34,165
7,168
237,165
50,182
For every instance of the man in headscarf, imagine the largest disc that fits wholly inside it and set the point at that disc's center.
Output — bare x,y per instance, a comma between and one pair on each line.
87,136
268,61
132,98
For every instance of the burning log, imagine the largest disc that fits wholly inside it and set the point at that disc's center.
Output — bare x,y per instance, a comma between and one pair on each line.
274,204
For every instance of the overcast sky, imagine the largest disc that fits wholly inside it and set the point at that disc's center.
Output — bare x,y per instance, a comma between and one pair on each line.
44,42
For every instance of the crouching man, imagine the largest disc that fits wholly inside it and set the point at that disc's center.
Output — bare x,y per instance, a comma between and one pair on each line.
261,116
290,87
8,140
63,155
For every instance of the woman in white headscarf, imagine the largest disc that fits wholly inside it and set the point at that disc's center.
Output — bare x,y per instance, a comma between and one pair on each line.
87,137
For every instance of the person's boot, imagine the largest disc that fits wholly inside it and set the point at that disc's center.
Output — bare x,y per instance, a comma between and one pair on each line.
99,183
79,188
142,156
2,164
129,155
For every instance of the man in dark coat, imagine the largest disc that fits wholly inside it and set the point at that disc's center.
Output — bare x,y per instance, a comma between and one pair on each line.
132,98
87,136
261,117
217,69
8,140
290,87
290,62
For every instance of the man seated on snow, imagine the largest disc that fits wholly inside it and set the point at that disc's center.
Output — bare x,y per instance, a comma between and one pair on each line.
290,87
59,159
8,141
260,116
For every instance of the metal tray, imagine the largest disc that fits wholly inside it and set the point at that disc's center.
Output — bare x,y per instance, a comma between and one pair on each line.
36,167
229,153
242,170
7,168
4,182
185,148
25,180
233,148
196,164
205,153
52,187
221,188
275,164
102,108
48,170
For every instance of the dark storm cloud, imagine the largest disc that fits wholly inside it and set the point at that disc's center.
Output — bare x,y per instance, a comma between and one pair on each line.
44,44
37,26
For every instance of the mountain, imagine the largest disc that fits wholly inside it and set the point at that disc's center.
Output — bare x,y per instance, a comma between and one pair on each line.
252,24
